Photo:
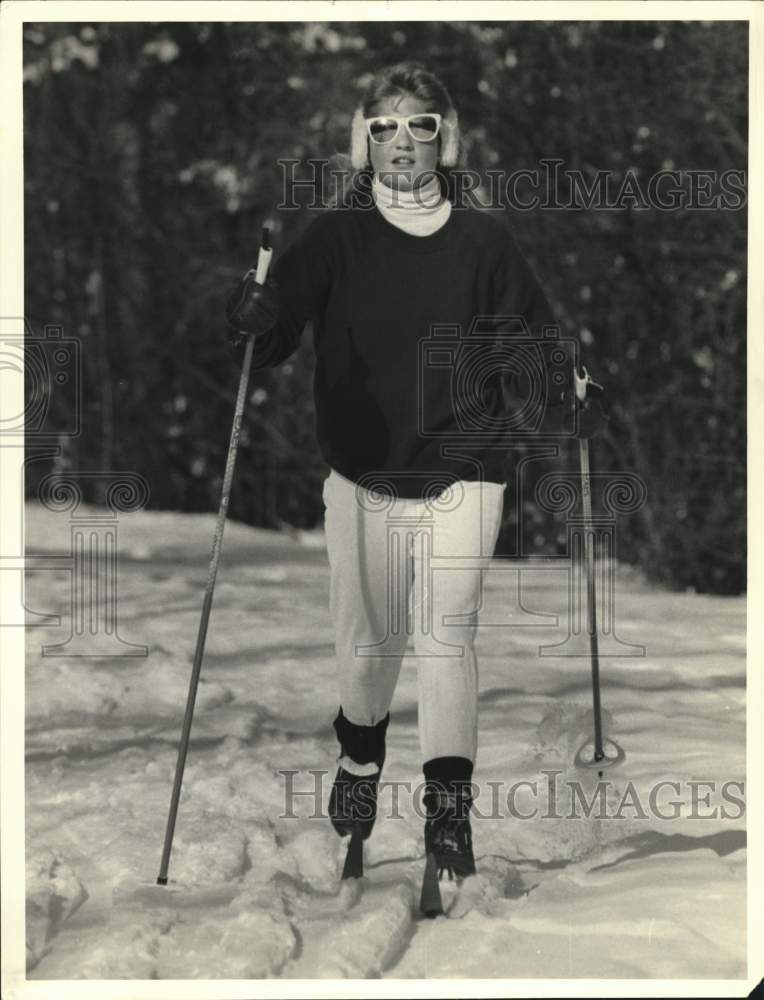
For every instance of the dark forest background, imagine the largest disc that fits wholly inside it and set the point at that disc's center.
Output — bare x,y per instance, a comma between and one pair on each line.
151,164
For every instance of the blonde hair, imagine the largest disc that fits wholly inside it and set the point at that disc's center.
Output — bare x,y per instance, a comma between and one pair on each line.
402,80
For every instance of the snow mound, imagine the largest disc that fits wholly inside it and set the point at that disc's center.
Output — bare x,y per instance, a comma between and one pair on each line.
316,856
54,893
128,947
250,939
208,851
367,941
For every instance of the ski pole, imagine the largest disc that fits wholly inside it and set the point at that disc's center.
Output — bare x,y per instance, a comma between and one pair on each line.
600,759
263,261
591,596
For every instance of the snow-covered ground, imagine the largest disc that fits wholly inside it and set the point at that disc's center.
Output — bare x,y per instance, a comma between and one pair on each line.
254,893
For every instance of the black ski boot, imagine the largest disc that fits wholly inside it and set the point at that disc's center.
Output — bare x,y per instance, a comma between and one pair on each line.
353,799
448,833
448,846
447,830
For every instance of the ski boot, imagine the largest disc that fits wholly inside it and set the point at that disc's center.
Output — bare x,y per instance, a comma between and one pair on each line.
353,799
448,845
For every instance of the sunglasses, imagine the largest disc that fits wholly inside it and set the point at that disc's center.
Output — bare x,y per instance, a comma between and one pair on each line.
421,128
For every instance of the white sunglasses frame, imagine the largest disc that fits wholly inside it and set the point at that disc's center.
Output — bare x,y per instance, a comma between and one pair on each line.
403,120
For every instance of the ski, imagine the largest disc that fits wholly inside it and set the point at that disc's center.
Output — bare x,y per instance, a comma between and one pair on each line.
354,858
430,902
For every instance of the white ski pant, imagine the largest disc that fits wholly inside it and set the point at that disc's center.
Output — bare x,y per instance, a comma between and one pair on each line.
405,569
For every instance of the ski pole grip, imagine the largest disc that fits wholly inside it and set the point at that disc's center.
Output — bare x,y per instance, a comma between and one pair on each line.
263,258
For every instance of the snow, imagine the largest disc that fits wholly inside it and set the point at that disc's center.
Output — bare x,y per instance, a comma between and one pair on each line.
255,887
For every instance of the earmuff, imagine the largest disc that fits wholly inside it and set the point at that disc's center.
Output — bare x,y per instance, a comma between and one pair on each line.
359,145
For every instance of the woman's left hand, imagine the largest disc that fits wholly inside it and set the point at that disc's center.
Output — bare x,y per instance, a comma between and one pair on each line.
592,415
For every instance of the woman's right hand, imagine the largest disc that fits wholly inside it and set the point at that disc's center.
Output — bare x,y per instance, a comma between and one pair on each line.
251,309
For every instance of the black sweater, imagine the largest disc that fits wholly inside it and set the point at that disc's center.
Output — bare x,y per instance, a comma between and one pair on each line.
411,392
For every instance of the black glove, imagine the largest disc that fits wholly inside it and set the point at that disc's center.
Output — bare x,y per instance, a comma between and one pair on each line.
592,414
251,308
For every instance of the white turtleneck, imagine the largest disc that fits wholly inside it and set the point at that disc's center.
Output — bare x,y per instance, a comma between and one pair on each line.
420,213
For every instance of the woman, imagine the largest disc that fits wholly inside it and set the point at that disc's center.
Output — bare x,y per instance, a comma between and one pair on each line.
414,497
